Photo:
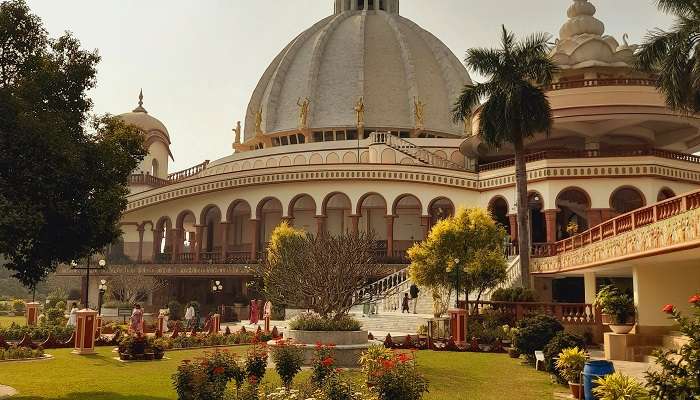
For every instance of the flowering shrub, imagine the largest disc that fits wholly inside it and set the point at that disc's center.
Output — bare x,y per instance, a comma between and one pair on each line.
206,378
20,353
288,358
394,377
314,322
679,374
256,363
17,332
323,363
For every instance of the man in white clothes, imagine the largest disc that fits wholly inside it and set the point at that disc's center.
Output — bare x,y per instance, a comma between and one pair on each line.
189,316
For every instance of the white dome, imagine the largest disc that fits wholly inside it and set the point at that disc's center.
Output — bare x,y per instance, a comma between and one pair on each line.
153,128
379,55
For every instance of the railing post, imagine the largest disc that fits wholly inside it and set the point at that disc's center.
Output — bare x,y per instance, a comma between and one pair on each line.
519,312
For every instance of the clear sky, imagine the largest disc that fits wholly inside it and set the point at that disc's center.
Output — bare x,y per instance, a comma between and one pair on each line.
199,61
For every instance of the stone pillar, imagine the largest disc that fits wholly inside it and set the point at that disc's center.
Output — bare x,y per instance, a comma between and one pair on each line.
267,324
366,6
390,235
215,324
550,217
175,235
355,223
589,286
198,242
513,218
224,240
86,324
160,326
320,224
157,239
255,228
140,256
458,325
32,313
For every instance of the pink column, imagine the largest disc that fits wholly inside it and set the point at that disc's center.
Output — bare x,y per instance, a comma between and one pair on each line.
32,313
390,235
85,327
140,256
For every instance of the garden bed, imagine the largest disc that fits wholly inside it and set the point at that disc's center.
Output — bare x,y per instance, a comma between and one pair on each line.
42,358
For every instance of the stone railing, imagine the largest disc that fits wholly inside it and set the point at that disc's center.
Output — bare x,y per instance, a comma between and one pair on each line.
566,313
423,155
567,154
673,224
513,277
147,180
187,173
584,83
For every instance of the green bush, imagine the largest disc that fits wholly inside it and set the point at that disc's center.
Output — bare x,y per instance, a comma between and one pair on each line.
36,333
18,305
176,310
314,322
394,378
559,342
534,333
56,297
256,363
54,316
20,353
618,386
288,358
514,295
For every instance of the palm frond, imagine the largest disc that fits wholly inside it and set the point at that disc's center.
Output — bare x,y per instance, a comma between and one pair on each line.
485,62
679,7
471,97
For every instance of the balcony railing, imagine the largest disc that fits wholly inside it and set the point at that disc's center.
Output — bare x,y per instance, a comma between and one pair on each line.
566,313
189,172
601,82
566,154
147,180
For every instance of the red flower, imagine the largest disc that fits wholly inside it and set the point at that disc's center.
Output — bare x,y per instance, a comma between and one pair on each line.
695,299
403,358
218,370
327,362
388,364
668,308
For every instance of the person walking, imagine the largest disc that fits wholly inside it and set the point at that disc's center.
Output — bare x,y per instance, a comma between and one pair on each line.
73,315
413,290
254,312
189,316
136,320
405,303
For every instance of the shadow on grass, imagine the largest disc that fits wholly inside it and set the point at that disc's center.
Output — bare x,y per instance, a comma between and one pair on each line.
93,396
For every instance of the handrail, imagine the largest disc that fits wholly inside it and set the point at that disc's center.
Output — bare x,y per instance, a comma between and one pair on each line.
601,82
564,154
621,224
146,179
419,153
186,173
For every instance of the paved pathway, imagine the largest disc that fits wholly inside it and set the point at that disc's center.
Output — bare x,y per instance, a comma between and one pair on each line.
6,391
633,369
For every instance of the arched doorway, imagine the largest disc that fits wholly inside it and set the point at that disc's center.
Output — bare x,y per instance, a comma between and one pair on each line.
211,234
538,225
185,239
439,209
270,215
302,210
372,211
498,207
665,194
239,236
626,199
573,205
337,210
407,225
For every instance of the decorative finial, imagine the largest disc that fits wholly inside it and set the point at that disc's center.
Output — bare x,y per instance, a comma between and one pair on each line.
140,107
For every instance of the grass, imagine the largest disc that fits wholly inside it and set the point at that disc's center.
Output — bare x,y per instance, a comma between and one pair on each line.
7,321
452,376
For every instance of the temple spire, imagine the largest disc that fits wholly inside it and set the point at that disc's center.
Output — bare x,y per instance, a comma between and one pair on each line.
140,107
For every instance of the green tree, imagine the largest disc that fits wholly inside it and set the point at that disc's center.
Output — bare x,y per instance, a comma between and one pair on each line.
474,239
63,174
515,108
672,55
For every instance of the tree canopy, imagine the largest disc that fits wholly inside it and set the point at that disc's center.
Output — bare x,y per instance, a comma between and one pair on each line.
474,239
63,173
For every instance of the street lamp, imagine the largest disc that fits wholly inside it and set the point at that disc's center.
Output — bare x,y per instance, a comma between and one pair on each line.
87,268
103,288
457,285
217,287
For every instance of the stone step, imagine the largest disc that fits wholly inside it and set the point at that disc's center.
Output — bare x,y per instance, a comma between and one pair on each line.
393,322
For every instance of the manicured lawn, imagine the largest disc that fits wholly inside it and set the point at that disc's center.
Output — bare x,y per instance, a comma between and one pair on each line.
452,376
7,321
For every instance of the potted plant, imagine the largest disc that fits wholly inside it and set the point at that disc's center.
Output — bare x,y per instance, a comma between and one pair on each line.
619,386
510,333
158,347
618,306
570,363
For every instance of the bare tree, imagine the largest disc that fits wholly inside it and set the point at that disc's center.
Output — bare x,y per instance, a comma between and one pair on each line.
134,288
321,273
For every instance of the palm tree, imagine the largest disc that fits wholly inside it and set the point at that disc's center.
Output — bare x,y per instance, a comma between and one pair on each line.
515,108
673,55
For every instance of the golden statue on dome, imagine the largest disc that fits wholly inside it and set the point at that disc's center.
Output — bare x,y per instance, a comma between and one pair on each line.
360,111
303,112
258,122
419,112
237,131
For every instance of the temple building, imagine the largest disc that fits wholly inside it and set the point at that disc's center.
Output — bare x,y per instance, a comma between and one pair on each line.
350,129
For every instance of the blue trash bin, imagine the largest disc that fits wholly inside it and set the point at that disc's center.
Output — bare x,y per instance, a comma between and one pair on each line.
593,370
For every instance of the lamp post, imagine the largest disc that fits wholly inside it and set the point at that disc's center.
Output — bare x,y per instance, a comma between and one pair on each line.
103,288
216,288
457,285
87,268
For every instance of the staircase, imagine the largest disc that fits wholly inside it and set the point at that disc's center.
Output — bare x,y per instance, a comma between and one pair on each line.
424,156
513,277
395,323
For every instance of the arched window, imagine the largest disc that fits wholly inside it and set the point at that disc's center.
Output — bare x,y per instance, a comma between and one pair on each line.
665,194
572,218
154,167
626,199
498,207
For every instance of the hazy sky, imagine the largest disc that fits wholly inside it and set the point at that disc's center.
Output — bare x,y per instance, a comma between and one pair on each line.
198,61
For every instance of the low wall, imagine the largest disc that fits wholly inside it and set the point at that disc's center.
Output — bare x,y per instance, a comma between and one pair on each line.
348,346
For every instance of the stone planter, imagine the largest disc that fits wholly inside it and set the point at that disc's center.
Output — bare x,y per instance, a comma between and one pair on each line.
348,345
621,329
575,390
